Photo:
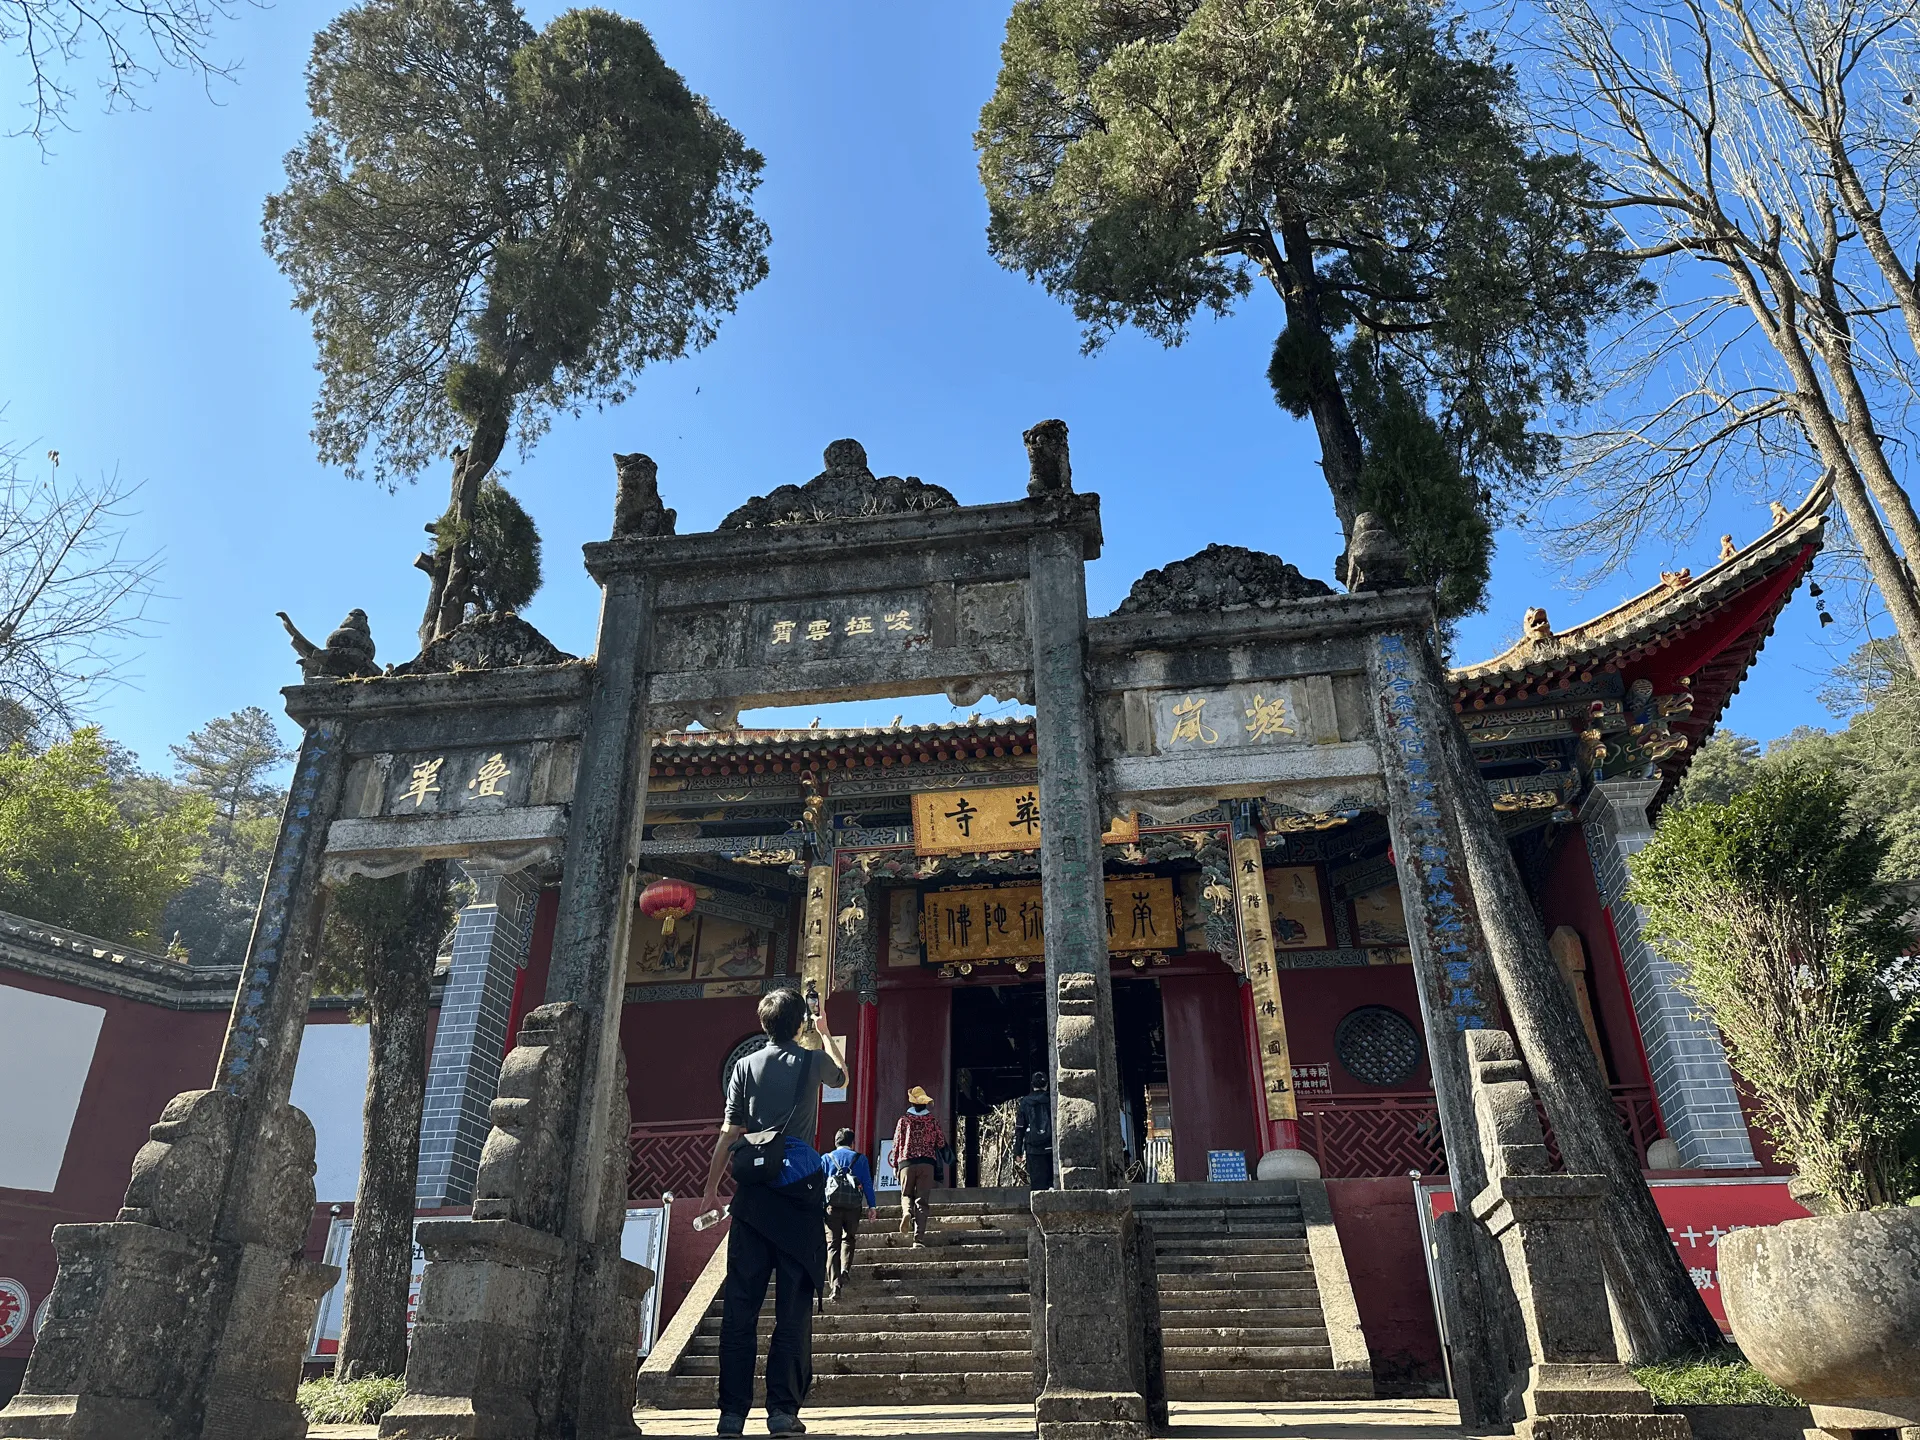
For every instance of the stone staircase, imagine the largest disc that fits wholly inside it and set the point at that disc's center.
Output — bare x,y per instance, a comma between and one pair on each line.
947,1322
1242,1313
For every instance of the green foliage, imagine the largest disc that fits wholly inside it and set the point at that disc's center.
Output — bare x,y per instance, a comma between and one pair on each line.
1773,908
328,1401
1723,1377
490,224
372,925
1719,770
504,543
1144,159
69,856
1412,480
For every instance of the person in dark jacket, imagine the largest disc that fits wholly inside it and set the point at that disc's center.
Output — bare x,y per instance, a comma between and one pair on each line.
1033,1132
776,1227
849,1196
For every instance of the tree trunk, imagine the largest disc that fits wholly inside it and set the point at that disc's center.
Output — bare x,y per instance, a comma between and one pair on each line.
476,461
373,1330
1663,1313
1293,274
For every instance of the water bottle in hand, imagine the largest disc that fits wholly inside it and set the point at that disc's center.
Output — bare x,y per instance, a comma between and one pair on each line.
712,1217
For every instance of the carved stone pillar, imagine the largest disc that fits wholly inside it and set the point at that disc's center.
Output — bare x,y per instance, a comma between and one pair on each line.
1689,1068
187,1316
1099,1336
1548,1227
552,1183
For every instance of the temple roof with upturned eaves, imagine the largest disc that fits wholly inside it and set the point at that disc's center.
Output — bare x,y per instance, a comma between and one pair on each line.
1656,618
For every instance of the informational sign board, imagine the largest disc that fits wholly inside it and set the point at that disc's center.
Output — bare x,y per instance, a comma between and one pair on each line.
966,822
885,1177
1226,1164
1698,1214
643,1240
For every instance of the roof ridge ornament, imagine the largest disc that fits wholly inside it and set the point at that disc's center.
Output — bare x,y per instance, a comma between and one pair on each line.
846,490
1220,577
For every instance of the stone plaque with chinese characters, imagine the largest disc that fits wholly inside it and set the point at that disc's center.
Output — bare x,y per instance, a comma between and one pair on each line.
426,784
837,627
1240,717
978,926
965,822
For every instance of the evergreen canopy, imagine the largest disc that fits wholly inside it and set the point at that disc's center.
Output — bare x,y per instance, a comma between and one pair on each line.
1143,159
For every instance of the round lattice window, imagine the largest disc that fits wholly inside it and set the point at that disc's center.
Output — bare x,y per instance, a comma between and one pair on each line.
1378,1046
734,1056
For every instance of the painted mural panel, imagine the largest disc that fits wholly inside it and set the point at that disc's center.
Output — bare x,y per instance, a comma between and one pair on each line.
729,955
1298,915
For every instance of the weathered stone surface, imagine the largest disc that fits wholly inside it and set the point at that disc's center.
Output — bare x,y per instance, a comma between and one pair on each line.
1050,472
1375,558
1100,1319
485,642
523,1170
1577,1389
1829,1308
1220,577
845,489
637,509
347,655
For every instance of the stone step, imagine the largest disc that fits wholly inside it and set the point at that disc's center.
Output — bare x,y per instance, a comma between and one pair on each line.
844,1342
696,1392
1268,1385
930,1270
1274,1245
929,1294
1199,1336
1184,1233
1250,1357
1261,1266
909,1362
840,1320
1179,1317
1176,1284
935,1254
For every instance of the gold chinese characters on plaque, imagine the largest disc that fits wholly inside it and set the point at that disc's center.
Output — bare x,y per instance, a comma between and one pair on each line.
976,926
993,817
966,822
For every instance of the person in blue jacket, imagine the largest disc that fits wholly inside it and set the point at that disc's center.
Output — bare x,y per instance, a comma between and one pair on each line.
849,1195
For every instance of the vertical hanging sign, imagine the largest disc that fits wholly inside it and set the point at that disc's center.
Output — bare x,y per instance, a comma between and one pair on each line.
1256,949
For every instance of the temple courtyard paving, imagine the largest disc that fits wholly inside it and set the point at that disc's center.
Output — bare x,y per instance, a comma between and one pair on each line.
1344,1420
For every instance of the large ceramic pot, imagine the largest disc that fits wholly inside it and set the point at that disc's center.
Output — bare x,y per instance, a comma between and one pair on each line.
1829,1308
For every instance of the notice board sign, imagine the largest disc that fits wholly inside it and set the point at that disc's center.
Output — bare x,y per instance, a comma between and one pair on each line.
1698,1214
1226,1164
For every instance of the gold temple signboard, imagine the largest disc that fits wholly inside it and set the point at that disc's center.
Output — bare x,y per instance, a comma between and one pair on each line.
992,817
977,926
966,822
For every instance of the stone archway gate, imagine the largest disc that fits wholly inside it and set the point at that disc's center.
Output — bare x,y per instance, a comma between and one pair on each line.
864,588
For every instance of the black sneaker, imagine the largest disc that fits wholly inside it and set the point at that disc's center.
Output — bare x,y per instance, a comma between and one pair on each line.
785,1425
731,1425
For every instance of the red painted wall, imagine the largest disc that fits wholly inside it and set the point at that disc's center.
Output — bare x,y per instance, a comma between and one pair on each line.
1569,898
674,1051
146,1054
1207,1071
1316,1001
1380,1234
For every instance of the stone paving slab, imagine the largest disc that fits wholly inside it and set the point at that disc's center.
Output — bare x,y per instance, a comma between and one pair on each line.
1310,1420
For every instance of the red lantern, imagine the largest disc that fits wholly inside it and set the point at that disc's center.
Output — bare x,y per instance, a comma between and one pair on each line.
666,901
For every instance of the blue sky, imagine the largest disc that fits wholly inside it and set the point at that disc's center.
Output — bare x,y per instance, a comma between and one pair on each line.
144,331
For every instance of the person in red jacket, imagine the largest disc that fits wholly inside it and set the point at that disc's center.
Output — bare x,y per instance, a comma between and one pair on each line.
917,1145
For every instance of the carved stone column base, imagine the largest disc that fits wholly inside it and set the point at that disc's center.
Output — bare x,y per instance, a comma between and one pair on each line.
1101,1330
498,1304
130,1326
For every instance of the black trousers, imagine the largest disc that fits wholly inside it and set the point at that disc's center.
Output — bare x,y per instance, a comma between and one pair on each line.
1040,1169
752,1260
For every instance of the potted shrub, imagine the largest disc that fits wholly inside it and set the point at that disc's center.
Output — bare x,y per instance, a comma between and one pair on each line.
1774,909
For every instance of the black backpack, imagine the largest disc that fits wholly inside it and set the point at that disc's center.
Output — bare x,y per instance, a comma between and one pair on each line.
843,1190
